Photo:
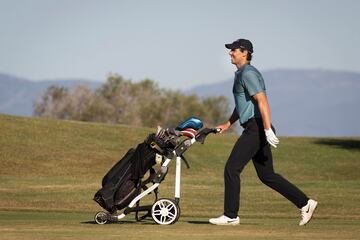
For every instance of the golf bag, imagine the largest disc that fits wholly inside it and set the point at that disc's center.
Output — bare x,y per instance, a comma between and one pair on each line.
124,180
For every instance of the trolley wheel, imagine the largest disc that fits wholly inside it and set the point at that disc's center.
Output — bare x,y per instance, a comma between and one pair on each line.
165,211
101,217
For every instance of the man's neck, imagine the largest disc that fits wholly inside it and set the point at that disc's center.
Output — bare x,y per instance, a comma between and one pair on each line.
242,64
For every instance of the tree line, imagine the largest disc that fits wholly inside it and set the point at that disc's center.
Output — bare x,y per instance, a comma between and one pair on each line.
122,101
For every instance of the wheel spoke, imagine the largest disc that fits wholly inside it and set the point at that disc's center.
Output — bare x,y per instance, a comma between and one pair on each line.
170,206
172,215
157,212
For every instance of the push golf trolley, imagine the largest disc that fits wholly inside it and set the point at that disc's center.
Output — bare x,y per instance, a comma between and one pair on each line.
123,187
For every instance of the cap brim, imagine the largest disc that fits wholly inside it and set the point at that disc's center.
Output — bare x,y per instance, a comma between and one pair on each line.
229,46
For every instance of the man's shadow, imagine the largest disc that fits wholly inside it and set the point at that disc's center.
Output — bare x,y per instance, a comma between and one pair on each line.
202,222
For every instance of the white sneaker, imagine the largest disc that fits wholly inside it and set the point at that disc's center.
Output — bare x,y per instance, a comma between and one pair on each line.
307,211
224,220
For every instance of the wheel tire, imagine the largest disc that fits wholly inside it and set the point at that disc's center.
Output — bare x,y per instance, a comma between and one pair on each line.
101,217
165,211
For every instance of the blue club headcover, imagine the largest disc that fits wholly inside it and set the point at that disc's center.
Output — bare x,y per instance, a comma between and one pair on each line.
191,122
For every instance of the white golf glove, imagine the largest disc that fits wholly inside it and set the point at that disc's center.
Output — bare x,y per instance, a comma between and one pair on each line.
271,137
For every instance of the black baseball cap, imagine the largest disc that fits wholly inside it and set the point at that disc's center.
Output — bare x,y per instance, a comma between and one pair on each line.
241,43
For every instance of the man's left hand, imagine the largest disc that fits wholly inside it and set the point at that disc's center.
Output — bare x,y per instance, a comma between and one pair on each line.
271,137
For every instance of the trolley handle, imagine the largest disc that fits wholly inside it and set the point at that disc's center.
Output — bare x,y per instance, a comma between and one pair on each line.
201,136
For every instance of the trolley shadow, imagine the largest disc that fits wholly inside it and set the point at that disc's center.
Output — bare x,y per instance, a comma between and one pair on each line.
143,222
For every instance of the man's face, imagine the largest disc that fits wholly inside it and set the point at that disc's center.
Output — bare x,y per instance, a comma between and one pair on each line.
237,56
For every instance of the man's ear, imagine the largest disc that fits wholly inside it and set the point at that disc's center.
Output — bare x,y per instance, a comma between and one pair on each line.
244,52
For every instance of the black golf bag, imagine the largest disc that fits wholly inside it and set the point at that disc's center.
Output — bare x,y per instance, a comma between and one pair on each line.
124,180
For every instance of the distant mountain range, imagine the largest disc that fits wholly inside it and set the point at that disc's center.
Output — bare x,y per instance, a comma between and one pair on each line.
17,95
303,102
306,102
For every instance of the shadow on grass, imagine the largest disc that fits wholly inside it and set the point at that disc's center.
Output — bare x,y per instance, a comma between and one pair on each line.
349,144
207,223
198,222
122,222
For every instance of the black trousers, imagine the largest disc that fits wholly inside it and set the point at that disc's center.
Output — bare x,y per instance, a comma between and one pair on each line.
252,144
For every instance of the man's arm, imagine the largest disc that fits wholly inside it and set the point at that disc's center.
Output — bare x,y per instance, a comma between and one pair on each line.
233,118
264,109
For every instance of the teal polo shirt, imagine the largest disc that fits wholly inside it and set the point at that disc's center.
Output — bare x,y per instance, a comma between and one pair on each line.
247,82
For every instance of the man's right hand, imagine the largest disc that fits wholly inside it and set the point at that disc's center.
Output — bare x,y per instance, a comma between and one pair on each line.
223,127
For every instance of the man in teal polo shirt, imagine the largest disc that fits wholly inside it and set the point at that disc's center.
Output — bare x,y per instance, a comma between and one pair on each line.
253,112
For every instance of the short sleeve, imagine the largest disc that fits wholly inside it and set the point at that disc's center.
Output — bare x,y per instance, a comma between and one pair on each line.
252,82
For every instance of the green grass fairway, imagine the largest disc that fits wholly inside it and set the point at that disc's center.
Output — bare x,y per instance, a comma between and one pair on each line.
50,170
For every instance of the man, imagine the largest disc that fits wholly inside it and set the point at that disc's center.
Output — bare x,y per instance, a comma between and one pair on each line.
253,112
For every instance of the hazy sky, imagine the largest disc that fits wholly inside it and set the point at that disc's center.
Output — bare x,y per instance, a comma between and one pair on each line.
178,44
